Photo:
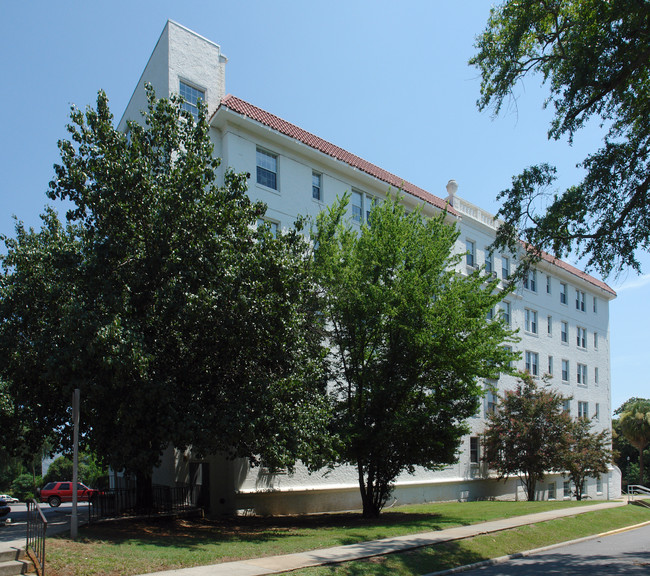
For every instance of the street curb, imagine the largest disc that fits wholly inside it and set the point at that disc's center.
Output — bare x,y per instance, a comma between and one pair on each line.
525,553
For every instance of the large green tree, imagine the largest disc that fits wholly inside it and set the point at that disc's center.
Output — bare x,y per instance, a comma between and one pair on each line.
586,454
634,424
180,319
528,434
626,456
409,338
594,58
90,471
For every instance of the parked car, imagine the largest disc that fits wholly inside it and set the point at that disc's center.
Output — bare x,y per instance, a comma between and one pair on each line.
4,511
8,499
56,492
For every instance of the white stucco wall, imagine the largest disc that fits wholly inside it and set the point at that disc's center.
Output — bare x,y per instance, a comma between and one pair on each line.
180,54
198,62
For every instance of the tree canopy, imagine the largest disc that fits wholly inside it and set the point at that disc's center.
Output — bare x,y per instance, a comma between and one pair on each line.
180,319
528,435
594,58
626,456
586,454
634,423
409,338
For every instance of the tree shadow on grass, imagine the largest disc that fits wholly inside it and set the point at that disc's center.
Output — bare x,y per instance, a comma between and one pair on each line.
295,533
335,529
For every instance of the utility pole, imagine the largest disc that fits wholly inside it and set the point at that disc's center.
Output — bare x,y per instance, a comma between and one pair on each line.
74,520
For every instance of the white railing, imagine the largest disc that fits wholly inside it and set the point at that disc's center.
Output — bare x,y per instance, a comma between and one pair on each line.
636,490
475,212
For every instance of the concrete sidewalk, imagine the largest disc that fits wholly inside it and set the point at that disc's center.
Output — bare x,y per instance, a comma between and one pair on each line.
13,536
288,562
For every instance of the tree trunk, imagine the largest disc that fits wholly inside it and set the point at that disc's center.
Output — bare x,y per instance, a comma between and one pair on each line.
529,485
370,509
144,492
372,494
641,467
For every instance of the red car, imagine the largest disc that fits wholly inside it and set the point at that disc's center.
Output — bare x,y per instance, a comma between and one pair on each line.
56,492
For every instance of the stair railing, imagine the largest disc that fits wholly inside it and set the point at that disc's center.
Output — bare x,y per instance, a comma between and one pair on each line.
36,529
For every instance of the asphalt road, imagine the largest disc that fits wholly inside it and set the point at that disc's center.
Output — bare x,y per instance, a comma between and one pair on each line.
626,553
58,520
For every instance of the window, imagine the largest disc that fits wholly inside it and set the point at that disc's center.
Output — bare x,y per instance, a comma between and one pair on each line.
550,365
581,337
474,449
595,305
191,96
316,185
505,267
267,169
530,280
564,332
565,370
505,306
599,484
532,363
548,284
549,325
596,375
552,491
509,349
369,201
357,206
362,204
488,262
566,405
583,409
491,401
530,317
273,226
582,374
567,488
471,253
595,340
580,300
490,314
597,411
563,293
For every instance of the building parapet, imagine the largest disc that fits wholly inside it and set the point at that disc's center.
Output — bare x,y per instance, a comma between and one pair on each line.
468,209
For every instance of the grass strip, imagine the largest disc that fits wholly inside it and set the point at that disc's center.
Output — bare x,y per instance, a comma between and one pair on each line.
468,551
137,547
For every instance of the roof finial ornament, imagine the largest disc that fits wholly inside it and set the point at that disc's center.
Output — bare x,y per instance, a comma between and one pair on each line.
452,188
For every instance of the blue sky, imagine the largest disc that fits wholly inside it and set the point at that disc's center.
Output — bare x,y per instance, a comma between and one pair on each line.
387,81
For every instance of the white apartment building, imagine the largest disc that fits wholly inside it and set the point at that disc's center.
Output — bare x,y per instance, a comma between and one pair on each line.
562,313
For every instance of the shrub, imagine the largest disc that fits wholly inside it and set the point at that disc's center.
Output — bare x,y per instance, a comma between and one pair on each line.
24,487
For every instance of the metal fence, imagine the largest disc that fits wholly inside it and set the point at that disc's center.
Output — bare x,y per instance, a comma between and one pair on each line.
36,529
119,503
634,490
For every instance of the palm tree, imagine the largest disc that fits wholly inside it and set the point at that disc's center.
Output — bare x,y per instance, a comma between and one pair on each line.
635,425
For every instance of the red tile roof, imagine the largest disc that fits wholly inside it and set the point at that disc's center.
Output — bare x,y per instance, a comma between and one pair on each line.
292,131
577,272
253,112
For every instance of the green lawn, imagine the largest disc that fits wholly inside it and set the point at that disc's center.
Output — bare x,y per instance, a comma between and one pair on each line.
139,547
471,550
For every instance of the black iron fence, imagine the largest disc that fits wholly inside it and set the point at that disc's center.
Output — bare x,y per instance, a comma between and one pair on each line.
36,529
119,503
